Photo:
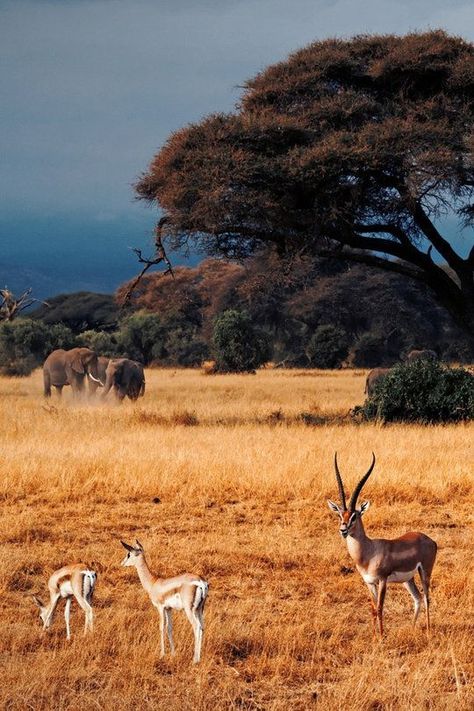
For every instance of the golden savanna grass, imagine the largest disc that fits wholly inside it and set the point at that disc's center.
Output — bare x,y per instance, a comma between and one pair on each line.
220,475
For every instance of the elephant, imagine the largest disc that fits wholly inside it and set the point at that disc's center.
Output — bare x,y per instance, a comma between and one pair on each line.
69,368
102,363
126,377
425,354
374,377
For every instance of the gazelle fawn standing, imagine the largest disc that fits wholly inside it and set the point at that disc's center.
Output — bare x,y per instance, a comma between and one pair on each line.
381,561
184,592
72,581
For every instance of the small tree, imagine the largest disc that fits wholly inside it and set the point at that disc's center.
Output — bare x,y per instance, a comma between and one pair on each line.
142,337
103,343
327,347
239,347
422,391
25,343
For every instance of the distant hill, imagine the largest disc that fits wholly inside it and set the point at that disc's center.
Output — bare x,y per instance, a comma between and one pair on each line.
72,253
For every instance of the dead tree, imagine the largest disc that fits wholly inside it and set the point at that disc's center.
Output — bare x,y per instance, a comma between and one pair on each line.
158,258
11,306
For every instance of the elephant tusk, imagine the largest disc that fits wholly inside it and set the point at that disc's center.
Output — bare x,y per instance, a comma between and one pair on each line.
96,380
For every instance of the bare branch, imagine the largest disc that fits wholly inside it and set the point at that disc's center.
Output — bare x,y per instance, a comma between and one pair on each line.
11,306
159,257
372,260
439,243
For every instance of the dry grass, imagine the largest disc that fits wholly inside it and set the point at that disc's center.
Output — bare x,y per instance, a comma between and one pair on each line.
241,482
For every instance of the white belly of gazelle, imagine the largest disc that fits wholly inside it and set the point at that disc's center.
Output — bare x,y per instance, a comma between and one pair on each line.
174,602
401,577
66,589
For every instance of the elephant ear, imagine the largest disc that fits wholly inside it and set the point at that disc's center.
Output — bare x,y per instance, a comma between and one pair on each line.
77,364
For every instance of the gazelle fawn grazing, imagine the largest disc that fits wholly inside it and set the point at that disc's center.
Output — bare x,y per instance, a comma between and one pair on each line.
184,592
72,581
381,561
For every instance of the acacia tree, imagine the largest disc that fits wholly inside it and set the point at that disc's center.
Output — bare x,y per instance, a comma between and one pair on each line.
348,148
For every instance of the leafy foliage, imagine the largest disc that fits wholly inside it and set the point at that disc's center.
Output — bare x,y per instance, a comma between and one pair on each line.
351,148
25,343
327,347
381,314
422,391
101,342
141,337
239,347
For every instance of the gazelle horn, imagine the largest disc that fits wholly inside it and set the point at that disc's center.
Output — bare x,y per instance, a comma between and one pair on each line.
339,483
359,486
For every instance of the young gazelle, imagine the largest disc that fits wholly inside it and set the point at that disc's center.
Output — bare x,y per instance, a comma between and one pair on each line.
184,592
75,580
381,561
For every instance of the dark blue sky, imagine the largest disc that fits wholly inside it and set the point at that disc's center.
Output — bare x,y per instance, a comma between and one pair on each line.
91,88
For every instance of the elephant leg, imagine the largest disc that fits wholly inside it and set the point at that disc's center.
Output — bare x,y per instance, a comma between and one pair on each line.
108,385
120,394
80,387
47,384
59,390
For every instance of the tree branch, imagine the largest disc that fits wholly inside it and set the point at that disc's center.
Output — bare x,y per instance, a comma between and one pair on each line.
372,260
470,259
160,256
439,243
11,306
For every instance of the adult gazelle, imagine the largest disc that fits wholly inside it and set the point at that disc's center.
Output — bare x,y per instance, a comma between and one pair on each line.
381,561
71,581
186,592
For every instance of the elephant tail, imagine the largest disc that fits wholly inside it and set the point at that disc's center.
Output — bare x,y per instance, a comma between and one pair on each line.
142,389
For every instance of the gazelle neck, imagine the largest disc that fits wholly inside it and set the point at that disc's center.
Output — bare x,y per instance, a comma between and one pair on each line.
359,544
144,573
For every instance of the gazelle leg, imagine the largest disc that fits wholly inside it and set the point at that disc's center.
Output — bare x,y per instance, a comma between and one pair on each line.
161,613
196,624
415,593
425,581
381,599
169,628
52,607
373,603
82,602
197,639
67,615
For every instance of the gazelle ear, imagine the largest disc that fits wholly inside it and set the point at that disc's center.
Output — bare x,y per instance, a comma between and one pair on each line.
37,601
364,507
138,544
334,507
126,546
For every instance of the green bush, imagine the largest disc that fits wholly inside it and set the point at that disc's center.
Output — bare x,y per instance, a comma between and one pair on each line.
422,391
25,343
142,337
60,336
101,342
239,347
327,347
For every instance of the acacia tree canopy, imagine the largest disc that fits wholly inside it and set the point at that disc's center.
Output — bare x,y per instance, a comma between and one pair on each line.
351,147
